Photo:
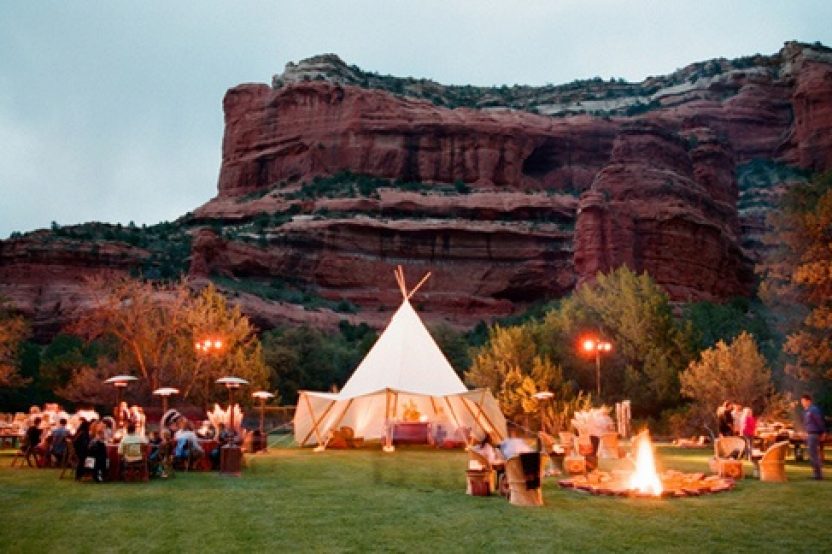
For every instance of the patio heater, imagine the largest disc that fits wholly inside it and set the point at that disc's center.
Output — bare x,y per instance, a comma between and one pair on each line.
231,455
165,392
262,396
120,382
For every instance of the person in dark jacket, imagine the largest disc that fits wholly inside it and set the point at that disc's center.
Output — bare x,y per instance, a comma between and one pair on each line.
98,450
815,431
81,443
33,438
726,420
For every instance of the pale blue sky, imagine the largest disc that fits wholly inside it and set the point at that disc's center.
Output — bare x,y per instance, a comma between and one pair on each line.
111,110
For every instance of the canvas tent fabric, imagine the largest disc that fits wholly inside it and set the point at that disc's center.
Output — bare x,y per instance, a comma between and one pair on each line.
404,367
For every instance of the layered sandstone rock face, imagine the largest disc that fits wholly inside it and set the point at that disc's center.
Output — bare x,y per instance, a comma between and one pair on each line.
43,276
311,129
667,208
331,176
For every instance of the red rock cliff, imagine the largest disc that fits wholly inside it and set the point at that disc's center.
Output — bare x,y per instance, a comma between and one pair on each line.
508,195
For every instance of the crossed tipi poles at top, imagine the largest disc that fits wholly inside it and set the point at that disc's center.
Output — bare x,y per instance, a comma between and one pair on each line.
399,274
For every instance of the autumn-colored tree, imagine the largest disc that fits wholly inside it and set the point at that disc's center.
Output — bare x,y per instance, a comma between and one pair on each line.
155,326
13,329
208,315
735,372
148,321
507,349
800,271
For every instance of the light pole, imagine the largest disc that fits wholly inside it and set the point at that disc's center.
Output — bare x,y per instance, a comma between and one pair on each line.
598,346
120,382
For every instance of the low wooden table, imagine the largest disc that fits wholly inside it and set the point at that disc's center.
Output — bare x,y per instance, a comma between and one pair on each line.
798,441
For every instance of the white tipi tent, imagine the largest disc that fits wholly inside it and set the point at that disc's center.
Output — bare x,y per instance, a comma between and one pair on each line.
404,367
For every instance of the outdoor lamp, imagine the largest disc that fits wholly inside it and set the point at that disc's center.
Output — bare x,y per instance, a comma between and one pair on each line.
597,346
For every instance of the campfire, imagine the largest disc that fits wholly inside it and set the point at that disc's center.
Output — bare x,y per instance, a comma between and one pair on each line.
644,481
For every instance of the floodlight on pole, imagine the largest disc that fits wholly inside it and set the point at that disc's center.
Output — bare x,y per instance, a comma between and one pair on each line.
598,346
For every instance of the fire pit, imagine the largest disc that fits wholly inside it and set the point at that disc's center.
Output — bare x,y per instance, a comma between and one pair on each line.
645,481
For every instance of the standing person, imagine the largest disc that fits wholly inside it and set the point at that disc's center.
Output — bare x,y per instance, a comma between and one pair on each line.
748,428
815,429
726,420
33,437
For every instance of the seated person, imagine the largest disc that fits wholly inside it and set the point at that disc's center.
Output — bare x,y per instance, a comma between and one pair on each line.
487,450
155,442
138,418
514,446
59,436
206,430
125,449
161,450
187,444
98,451
224,436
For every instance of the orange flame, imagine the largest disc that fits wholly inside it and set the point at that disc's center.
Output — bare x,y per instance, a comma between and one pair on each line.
645,479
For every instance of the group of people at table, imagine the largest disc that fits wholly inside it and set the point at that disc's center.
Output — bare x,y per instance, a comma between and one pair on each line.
50,436
734,420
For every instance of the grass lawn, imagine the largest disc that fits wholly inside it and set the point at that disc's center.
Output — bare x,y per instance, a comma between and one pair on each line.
413,500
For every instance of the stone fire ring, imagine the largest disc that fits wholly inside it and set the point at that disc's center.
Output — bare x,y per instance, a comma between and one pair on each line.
675,484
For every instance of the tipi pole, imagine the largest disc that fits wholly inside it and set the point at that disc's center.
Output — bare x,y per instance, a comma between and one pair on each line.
476,418
433,403
399,273
419,284
314,421
395,405
388,437
488,420
453,413
343,413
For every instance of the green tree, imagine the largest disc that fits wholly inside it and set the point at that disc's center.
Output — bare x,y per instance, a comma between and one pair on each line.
305,358
650,347
515,366
735,372
454,345
208,314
